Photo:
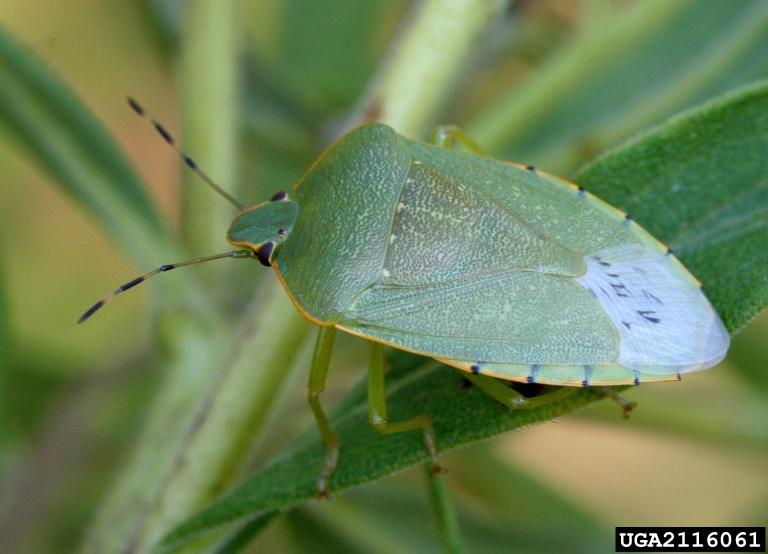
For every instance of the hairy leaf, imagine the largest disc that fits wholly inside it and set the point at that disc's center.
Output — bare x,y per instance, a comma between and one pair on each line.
388,515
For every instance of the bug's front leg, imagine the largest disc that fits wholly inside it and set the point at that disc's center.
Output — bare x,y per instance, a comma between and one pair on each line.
448,136
320,361
377,407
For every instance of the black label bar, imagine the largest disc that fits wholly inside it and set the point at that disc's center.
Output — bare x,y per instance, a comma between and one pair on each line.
690,539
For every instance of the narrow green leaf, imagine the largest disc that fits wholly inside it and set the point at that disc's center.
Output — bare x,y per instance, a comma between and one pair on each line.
546,511
238,541
308,534
390,515
73,147
623,72
704,169
416,385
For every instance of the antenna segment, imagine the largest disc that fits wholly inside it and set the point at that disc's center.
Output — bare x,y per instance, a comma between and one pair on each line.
168,137
132,283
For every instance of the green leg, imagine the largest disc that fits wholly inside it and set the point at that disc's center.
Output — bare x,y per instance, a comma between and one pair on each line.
448,136
512,399
319,371
626,405
377,407
377,415
447,521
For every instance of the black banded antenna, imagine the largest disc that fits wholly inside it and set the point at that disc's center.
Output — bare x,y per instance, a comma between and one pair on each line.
132,283
168,137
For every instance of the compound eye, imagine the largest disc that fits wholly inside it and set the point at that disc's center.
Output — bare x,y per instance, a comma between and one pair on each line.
264,253
281,196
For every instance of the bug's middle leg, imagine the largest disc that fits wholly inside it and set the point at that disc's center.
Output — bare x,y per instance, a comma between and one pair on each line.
377,407
320,361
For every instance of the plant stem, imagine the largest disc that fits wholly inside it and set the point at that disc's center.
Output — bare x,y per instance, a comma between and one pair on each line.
412,86
447,522
210,84
192,349
239,403
194,341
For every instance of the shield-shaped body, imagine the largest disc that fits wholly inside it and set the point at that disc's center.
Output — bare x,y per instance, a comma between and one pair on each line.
490,267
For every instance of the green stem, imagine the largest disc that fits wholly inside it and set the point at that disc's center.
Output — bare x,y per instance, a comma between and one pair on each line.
240,401
210,85
195,341
410,89
447,522
192,350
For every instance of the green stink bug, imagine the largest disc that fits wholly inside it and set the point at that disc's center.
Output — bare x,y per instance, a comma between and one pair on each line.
494,268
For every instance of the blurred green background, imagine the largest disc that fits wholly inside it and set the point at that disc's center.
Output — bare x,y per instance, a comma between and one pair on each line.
554,83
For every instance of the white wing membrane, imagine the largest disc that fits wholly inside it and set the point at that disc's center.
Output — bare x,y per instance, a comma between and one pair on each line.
663,318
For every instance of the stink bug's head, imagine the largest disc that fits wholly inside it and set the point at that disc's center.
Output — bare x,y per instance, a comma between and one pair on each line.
257,230
264,226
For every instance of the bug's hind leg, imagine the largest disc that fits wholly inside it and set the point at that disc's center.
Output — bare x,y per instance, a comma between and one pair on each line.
513,400
626,405
320,360
377,407
509,397
448,136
